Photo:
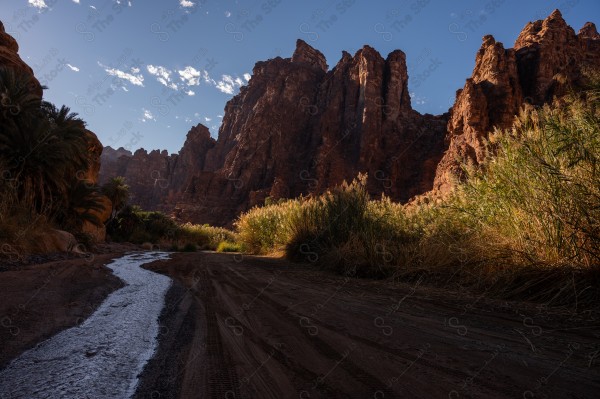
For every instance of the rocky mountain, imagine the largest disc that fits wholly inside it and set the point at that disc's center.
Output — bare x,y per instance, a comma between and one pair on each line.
547,59
300,128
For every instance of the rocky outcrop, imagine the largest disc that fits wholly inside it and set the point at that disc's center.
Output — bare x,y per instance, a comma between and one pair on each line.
546,61
9,56
90,176
155,178
589,39
55,241
299,128
549,57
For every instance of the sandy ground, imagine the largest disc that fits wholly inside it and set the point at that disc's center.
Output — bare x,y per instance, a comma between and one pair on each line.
37,301
102,357
246,327
237,326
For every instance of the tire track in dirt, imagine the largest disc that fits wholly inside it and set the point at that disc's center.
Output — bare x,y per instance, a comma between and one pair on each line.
270,329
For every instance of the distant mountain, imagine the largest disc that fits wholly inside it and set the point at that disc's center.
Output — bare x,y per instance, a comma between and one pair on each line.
299,128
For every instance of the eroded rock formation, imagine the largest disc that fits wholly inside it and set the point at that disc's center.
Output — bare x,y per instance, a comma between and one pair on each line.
9,56
299,128
547,60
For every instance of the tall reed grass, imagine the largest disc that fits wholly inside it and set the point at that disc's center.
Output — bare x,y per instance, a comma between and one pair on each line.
525,224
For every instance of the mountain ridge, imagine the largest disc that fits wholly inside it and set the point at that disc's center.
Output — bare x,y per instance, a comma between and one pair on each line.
299,128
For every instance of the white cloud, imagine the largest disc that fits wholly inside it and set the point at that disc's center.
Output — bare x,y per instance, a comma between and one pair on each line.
134,77
220,116
92,7
186,3
247,76
225,88
163,75
76,1
73,68
190,93
207,78
190,76
228,84
227,14
206,118
148,116
39,4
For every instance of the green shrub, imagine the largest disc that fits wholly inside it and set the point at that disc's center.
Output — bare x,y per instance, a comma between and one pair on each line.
205,236
227,246
267,229
525,224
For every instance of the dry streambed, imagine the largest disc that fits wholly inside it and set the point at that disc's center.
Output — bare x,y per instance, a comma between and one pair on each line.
102,357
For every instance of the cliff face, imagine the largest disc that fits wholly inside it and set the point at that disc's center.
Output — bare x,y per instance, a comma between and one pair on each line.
156,178
9,56
299,128
547,59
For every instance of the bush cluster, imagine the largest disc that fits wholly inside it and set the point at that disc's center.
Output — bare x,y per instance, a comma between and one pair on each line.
525,224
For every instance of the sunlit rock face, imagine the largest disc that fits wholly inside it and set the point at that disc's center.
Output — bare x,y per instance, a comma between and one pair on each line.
299,127
547,59
296,128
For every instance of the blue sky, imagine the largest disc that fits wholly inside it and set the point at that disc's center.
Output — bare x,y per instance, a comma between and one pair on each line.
141,73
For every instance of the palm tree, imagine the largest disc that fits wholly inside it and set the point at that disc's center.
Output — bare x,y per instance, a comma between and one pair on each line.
118,193
18,96
43,147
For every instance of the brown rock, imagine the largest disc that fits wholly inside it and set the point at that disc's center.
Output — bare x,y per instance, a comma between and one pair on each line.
547,59
9,56
589,39
490,98
588,31
98,233
157,178
308,55
54,241
299,128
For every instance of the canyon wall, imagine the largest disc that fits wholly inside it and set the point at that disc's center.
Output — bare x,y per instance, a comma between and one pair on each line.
299,127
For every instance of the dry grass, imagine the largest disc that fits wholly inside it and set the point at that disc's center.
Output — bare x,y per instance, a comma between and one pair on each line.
525,225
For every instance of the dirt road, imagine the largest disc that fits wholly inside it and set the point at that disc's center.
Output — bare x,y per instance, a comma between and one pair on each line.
247,327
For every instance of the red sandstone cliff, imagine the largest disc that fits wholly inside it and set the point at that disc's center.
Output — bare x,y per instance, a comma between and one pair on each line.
9,56
299,128
547,59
